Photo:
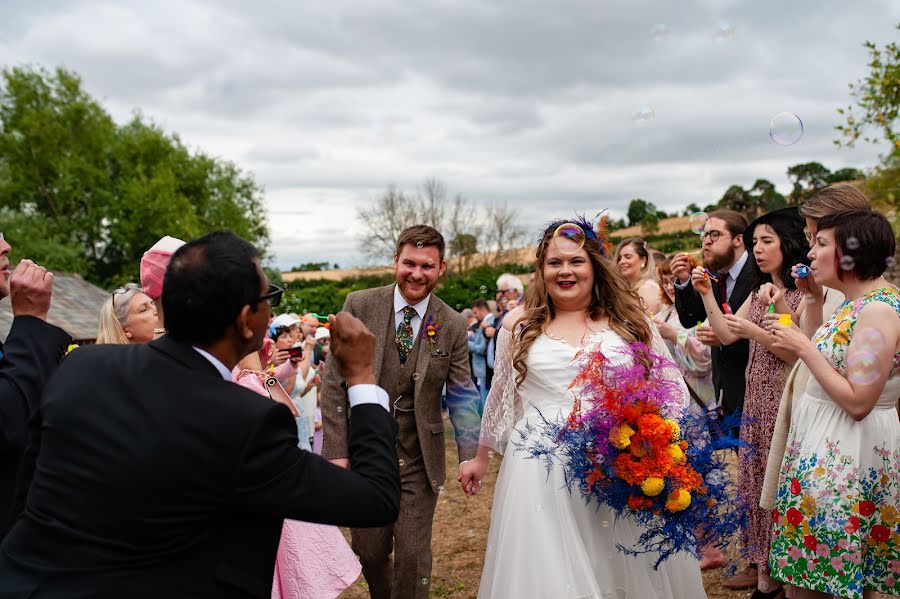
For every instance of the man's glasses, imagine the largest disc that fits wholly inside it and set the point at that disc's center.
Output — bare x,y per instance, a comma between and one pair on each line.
503,291
273,297
713,235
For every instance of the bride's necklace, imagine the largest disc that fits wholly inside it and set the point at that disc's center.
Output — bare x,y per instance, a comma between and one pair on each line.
584,334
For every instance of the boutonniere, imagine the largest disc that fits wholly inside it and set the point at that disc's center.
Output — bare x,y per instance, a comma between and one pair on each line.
430,329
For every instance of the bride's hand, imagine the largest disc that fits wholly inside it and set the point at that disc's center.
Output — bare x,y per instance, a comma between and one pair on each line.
470,474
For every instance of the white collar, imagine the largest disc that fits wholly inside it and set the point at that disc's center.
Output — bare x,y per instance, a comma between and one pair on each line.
738,266
400,303
223,370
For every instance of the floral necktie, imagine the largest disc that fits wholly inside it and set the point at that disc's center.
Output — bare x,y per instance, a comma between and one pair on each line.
405,334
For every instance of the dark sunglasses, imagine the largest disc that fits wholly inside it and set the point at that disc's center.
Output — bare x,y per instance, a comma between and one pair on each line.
273,297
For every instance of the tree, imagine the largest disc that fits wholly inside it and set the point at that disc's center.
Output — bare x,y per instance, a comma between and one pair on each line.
765,197
638,210
807,179
89,196
650,223
494,229
736,198
877,99
691,209
846,174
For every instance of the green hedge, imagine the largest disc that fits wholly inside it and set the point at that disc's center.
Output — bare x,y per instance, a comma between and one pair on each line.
458,290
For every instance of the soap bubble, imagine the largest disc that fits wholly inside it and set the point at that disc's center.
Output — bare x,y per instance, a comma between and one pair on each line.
785,128
716,477
420,245
458,307
697,222
724,32
847,262
852,243
660,32
871,340
568,238
470,533
862,367
483,289
643,115
605,523
890,262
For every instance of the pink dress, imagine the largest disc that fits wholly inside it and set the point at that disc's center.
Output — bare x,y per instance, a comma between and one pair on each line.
314,561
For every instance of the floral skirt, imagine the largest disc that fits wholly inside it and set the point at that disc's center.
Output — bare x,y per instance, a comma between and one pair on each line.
836,526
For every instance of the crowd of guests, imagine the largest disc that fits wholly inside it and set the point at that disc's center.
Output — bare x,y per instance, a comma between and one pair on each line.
718,311
810,360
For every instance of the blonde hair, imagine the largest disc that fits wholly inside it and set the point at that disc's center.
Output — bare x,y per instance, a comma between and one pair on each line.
114,315
611,295
648,272
834,198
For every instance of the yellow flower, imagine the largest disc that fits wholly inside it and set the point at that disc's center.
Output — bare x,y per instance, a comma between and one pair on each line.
885,479
889,515
431,333
620,435
652,486
819,472
676,453
678,500
676,430
808,505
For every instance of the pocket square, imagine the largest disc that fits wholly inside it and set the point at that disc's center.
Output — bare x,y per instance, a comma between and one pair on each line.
439,353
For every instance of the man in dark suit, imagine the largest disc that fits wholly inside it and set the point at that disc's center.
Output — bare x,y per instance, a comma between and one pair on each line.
422,346
726,257
156,476
32,352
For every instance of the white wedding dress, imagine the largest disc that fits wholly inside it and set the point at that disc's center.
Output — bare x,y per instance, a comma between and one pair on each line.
544,541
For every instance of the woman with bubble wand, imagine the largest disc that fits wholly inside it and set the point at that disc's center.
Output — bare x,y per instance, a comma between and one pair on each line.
837,508
775,241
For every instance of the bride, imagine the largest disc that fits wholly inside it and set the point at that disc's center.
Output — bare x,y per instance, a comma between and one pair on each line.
544,541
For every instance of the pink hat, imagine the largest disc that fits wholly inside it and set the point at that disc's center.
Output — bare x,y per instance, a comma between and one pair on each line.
154,263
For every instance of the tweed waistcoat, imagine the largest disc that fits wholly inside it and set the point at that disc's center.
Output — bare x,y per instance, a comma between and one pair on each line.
399,380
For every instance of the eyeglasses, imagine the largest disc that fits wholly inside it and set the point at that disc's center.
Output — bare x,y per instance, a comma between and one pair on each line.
273,297
504,291
713,235
128,287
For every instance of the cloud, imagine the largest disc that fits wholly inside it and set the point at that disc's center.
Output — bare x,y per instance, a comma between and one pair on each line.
527,102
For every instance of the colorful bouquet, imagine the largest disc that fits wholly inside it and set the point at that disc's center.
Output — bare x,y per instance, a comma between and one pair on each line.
631,449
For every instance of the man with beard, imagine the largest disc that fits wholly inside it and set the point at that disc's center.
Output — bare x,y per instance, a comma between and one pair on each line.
421,346
725,256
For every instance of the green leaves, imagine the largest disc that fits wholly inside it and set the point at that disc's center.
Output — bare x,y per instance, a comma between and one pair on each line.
81,193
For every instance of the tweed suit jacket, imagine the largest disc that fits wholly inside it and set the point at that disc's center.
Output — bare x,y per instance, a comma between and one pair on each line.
443,362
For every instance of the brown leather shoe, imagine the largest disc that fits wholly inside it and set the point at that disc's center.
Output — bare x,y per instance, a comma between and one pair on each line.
747,579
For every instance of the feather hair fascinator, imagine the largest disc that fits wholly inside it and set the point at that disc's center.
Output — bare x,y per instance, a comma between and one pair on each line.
571,235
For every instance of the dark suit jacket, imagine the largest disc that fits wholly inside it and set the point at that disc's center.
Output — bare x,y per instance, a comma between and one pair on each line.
155,477
447,362
32,352
729,361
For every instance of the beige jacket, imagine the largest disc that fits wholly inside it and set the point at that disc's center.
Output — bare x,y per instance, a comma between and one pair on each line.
793,390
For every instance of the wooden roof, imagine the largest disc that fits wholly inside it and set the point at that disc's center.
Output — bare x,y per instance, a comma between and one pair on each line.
75,308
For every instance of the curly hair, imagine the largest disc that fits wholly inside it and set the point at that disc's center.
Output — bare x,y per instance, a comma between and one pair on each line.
612,296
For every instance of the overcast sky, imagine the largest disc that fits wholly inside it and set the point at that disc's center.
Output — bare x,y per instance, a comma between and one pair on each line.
526,102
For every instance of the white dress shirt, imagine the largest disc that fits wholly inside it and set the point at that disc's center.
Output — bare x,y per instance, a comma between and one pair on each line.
357,394
420,308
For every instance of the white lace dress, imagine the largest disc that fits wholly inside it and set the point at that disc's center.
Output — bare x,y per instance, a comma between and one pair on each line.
545,541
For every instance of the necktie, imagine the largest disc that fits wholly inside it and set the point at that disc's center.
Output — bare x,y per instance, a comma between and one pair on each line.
405,334
723,286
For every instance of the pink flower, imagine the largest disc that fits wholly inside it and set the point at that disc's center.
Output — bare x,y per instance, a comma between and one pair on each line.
837,563
844,543
894,566
823,550
795,552
855,557
890,581
810,565
782,562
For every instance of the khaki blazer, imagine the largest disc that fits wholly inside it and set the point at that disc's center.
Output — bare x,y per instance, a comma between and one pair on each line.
443,362
793,391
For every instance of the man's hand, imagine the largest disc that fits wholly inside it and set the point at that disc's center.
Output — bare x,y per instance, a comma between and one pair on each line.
30,288
700,280
706,336
680,264
353,346
342,462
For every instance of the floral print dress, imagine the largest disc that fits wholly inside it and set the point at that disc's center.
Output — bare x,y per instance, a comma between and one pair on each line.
836,515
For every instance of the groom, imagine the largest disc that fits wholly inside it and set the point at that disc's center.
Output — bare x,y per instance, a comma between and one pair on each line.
421,345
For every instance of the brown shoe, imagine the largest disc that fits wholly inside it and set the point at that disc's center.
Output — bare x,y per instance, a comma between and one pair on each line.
713,558
747,579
